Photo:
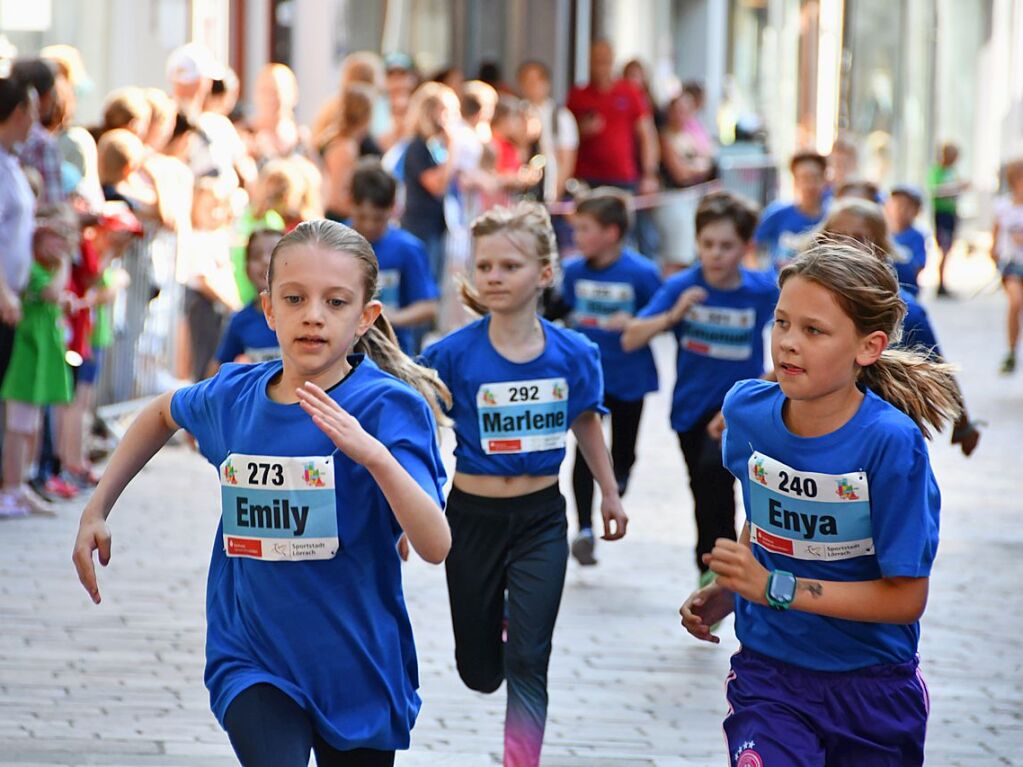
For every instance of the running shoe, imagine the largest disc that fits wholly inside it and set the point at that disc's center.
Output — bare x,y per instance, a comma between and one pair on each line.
12,506
57,486
81,479
583,546
36,505
1008,364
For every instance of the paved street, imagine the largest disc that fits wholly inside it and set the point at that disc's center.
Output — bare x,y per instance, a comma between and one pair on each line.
121,684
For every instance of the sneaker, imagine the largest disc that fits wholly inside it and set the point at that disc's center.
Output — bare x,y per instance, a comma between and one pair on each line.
80,479
12,506
58,487
1008,364
34,503
583,546
38,485
943,292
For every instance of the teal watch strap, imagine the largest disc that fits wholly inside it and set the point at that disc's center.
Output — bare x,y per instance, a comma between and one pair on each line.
781,589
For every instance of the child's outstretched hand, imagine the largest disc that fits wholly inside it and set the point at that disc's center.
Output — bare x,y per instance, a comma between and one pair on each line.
342,427
615,519
738,570
704,608
93,535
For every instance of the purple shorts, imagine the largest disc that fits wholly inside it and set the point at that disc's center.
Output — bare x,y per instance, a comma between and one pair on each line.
786,716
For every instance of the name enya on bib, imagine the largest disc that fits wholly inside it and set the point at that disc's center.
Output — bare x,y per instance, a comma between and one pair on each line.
719,332
805,515
389,287
278,508
595,302
523,416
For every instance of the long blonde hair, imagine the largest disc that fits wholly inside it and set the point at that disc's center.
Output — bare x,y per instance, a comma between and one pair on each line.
867,290
528,218
379,342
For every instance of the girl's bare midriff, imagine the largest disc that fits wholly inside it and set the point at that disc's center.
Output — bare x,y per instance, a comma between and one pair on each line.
502,487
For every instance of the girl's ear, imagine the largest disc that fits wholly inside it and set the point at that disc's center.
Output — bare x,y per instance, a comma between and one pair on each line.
547,276
370,312
871,346
264,300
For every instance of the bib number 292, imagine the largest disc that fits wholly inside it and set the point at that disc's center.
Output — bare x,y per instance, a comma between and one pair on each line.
524,394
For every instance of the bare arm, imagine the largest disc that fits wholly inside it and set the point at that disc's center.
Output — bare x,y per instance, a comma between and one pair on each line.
639,331
590,437
995,232
885,600
144,438
417,313
649,152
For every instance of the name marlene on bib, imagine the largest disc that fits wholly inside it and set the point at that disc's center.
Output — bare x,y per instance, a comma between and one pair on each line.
806,515
523,416
279,508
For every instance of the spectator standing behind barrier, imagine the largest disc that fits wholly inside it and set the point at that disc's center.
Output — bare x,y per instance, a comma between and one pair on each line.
40,150
558,143
614,119
687,155
340,148
429,168
778,234
359,68
400,80
273,132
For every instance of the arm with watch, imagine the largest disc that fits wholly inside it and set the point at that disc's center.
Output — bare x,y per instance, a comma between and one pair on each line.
885,600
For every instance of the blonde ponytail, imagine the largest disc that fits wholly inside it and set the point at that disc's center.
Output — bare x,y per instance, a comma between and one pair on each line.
867,290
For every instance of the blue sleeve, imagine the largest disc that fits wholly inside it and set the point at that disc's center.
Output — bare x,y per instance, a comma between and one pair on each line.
416,282
589,385
905,506
409,432
664,298
766,232
436,357
193,409
648,284
231,344
919,251
568,282
735,448
917,330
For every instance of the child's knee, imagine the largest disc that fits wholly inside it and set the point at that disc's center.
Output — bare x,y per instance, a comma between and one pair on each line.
23,418
479,678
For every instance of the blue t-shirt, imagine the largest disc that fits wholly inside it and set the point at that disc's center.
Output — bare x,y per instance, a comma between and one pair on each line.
913,247
404,276
780,231
858,504
333,633
721,341
594,295
511,418
247,333
916,328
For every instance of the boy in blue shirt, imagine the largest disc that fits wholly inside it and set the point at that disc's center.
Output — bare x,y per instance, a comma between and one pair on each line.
717,311
778,236
407,291
902,208
604,289
247,337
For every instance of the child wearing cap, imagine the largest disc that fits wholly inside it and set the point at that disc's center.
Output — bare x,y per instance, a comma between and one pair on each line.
902,208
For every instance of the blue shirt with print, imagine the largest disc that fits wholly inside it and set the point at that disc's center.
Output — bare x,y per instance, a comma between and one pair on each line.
247,333
721,341
596,294
780,229
404,276
858,504
912,245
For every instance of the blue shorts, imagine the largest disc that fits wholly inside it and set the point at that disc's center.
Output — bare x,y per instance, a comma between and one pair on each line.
1012,269
945,225
88,371
780,714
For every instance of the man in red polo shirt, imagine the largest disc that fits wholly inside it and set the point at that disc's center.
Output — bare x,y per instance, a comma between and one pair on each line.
617,137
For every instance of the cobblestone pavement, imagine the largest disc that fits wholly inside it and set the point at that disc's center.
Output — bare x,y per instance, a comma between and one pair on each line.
121,684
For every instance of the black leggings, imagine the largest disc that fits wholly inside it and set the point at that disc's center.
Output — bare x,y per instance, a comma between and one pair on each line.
519,546
625,415
713,487
268,728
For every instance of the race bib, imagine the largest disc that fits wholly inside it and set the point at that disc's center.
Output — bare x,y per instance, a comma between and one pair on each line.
719,332
278,508
789,245
804,515
265,354
389,287
595,302
523,416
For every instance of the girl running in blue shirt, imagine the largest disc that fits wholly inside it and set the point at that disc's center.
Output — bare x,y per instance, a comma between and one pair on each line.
325,457
518,384
829,578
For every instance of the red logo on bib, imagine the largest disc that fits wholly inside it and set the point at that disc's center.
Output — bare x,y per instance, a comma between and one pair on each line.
774,543
504,445
244,547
